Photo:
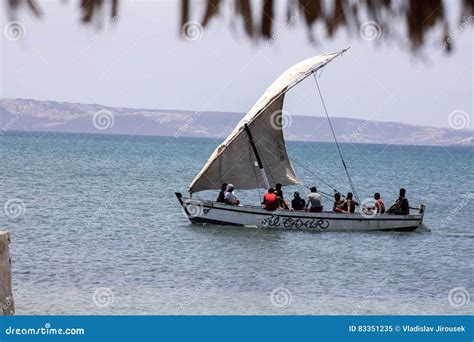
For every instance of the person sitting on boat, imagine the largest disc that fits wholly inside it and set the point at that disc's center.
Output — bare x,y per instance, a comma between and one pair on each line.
230,197
314,201
297,203
377,208
279,193
349,204
401,206
338,203
379,204
221,197
270,200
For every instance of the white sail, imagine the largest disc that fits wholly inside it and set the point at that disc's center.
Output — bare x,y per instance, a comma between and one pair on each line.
234,160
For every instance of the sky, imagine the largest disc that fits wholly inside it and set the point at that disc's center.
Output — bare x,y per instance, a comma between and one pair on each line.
141,61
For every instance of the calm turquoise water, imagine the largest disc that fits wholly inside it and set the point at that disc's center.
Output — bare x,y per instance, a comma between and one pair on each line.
103,233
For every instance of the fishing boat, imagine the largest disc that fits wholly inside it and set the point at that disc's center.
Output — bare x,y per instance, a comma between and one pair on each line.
255,152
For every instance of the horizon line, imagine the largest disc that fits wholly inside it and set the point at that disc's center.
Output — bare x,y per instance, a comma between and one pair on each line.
232,112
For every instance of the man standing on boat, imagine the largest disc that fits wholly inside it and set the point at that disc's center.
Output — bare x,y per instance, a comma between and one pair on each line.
314,201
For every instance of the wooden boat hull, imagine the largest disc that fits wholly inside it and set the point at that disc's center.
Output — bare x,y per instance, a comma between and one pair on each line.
209,212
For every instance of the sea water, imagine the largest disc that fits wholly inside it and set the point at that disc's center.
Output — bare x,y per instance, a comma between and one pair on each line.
96,229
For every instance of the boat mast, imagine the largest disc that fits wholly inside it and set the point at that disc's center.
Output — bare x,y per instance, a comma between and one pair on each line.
255,151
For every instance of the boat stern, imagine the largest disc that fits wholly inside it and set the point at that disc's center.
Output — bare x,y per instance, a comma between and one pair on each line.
421,211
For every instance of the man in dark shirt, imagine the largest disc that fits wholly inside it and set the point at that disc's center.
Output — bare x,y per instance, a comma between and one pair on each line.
221,197
297,203
349,204
401,206
279,193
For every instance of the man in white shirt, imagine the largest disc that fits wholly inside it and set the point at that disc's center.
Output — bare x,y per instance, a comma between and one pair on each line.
314,201
230,197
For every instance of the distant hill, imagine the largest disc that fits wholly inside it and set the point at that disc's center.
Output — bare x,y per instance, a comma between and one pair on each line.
32,115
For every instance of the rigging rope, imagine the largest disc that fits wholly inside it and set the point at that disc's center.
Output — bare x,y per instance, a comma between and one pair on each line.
315,175
337,144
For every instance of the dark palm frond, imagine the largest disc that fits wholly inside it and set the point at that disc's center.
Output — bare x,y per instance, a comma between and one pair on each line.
419,16
245,10
267,18
211,10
